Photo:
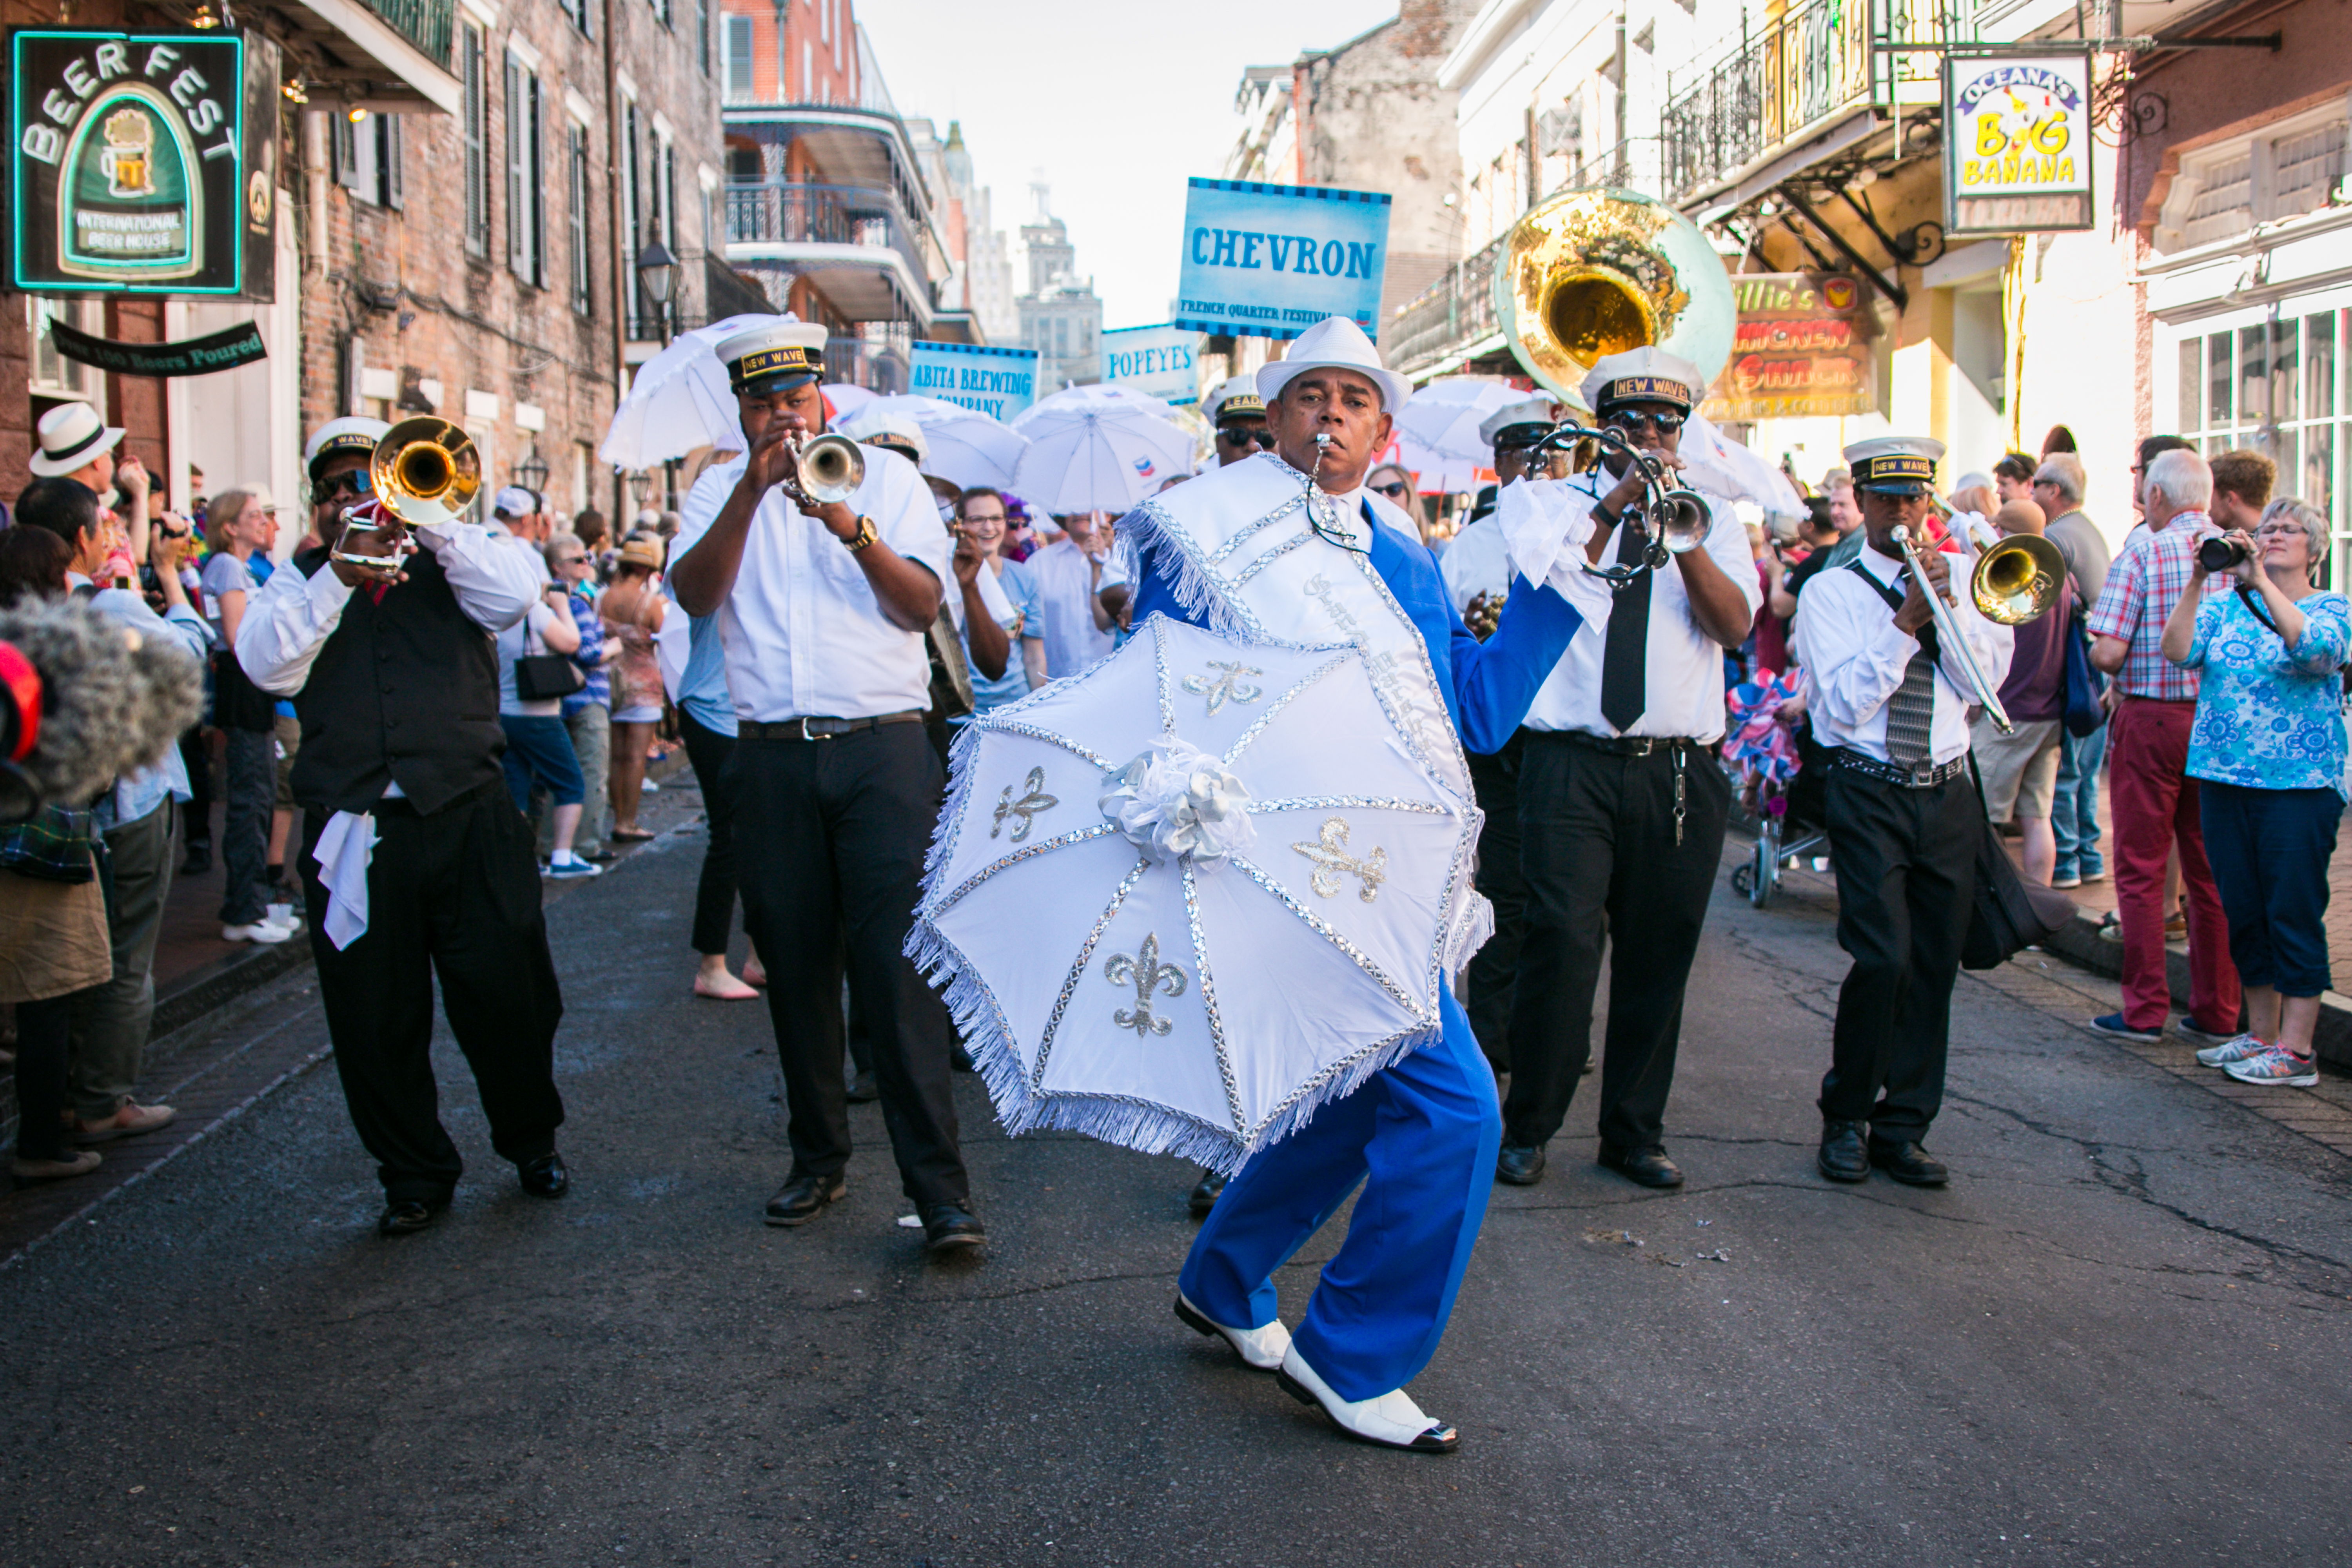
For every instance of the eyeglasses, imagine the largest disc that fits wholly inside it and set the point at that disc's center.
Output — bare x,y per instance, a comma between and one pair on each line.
354,482
1394,489
1633,419
2279,531
1245,435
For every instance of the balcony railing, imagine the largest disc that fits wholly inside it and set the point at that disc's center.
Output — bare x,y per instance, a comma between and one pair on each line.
428,23
1450,315
790,212
1809,63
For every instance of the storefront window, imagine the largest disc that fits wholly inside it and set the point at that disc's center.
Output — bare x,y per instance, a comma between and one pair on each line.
54,375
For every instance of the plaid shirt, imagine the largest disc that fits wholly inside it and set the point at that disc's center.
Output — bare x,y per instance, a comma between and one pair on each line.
590,659
2143,585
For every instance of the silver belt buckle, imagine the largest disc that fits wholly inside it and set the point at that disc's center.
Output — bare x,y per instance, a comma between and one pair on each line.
1922,775
809,734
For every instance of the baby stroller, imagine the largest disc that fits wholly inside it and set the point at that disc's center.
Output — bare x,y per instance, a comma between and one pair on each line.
1781,774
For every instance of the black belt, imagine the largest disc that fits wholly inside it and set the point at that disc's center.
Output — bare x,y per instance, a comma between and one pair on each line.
821,729
1627,745
1924,776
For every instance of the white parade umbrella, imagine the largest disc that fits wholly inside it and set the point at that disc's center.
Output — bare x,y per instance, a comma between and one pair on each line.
1443,419
966,446
679,400
1098,448
846,397
1181,900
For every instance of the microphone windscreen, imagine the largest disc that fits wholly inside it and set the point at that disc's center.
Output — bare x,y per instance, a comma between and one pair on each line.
112,701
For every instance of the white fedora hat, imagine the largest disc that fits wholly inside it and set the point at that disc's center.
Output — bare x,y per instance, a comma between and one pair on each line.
1334,342
71,434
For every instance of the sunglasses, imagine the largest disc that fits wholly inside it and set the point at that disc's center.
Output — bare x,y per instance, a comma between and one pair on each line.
1239,436
355,483
1633,419
1394,489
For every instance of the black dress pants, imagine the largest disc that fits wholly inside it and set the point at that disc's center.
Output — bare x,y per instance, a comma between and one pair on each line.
1602,869
1906,868
1493,975
453,894
830,837
707,752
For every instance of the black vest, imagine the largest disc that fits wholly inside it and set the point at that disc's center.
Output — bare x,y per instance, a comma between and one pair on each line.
406,689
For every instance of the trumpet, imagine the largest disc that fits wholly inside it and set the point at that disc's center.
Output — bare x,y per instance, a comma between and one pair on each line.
825,470
2014,582
1676,518
424,470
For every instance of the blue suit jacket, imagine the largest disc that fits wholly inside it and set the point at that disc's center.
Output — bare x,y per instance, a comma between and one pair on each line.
1487,686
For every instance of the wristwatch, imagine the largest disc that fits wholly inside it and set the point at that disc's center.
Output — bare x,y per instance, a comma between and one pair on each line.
867,534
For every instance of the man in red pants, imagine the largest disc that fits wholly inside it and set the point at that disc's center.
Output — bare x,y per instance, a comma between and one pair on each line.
2147,755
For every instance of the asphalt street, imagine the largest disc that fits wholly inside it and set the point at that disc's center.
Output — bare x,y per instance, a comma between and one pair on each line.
2120,1337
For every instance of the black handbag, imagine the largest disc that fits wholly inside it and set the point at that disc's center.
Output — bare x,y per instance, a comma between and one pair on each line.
544,676
2011,914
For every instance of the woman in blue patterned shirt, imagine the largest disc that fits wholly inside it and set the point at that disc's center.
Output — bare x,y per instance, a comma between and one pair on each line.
2267,752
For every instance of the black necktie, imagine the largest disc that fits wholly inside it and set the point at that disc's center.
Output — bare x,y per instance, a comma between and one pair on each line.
1625,654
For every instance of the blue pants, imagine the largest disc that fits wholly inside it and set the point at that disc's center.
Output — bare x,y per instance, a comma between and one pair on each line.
539,748
2075,809
2269,849
1421,1136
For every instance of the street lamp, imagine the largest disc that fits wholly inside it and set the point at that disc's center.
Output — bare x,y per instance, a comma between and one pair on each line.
658,271
532,473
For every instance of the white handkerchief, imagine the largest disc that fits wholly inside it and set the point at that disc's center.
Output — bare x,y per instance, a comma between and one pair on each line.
1546,523
345,847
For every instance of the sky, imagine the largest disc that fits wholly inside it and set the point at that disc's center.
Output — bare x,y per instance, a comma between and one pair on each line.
1116,103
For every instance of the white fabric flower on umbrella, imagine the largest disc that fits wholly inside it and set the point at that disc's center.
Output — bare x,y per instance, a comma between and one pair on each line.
966,446
1098,448
1183,899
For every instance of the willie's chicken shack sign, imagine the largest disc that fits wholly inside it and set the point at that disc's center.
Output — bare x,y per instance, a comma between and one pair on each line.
126,161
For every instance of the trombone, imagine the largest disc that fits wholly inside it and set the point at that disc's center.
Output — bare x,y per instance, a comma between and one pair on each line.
2014,582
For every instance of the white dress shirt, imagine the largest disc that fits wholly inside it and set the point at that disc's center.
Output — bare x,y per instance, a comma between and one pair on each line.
1066,593
140,792
805,633
1854,657
1476,562
1682,674
291,618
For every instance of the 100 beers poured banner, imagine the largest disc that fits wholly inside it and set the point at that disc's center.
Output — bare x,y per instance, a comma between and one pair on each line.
128,160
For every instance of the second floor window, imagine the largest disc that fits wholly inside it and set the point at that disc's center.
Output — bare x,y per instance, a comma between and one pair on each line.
367,156
738,56
526,175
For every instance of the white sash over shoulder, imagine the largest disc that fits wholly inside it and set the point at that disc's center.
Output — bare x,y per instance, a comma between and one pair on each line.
1239,551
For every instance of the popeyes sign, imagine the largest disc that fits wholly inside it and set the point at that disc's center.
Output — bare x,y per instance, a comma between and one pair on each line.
1802,348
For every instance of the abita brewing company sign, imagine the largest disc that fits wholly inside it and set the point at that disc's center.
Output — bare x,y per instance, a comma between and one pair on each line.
128,162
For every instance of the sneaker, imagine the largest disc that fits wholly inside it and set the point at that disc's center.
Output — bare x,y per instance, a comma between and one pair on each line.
2194,1030
2176,926
2114,1023
283,915
260,931
129,1120
649,788
2066,882
2096,874
571,866
76,1163
2276,1065
2243,1049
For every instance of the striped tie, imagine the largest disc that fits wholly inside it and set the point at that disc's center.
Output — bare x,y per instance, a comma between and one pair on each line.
1911,711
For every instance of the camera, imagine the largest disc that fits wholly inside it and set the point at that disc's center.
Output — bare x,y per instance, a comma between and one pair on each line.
2220,555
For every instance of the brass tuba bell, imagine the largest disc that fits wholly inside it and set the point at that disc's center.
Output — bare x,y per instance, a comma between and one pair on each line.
425,471
1596,271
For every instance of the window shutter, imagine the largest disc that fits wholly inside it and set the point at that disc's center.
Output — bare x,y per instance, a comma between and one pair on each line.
394,196
517,122
344,153
538,186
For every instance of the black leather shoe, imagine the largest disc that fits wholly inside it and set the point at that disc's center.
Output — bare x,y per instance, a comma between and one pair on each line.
1907,1163
407,1217
1522,1165
863,1089
1842,1156
1648,1166
1205,1194
544,1177
803,1198
949,1229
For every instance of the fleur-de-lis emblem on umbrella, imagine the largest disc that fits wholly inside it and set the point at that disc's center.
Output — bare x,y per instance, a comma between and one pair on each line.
1332,862
1227,684
1026,808
1147,975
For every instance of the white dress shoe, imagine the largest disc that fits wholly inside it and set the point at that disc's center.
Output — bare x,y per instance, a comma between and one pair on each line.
1392,1420
1262,1349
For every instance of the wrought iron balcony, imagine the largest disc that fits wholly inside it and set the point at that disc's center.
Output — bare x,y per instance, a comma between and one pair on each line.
1810,63
430,25
1448,319
791,211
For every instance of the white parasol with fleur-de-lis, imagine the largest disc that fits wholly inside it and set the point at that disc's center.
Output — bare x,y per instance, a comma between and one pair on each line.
1183,899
